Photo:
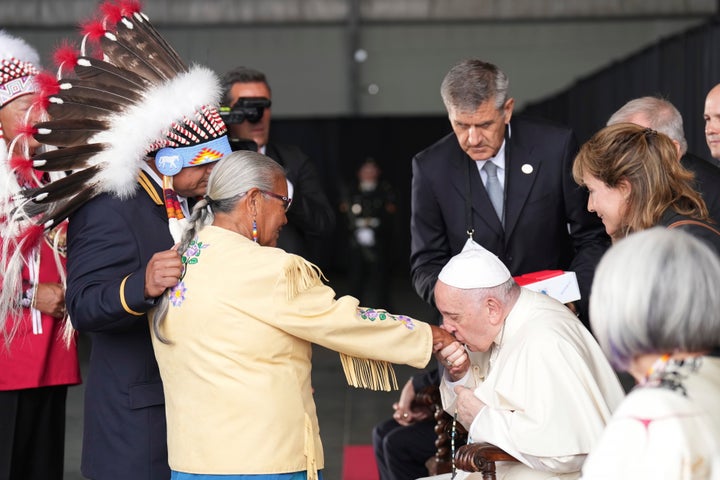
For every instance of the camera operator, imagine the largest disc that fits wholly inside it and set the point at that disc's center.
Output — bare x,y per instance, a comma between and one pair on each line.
248,96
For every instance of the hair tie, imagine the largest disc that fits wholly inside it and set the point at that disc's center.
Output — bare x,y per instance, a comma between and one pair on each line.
209,200
649,132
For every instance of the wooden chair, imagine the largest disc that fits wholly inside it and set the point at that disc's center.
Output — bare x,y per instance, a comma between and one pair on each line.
481,457
441,462
474,457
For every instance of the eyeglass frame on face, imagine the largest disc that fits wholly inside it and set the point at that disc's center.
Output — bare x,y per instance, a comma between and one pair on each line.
287,201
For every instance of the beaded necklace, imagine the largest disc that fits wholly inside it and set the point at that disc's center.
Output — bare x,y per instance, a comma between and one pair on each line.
453,435
670,373
453,432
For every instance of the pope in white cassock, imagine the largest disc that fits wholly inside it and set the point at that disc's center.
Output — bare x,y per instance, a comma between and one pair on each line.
524,374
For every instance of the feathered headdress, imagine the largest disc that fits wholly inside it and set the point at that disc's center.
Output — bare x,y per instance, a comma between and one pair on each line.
126,95
18,73
108,114
18,68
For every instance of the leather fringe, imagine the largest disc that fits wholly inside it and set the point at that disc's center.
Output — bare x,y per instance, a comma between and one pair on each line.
370,374
301,275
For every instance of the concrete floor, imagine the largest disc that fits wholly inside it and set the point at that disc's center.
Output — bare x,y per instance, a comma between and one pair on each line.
346,414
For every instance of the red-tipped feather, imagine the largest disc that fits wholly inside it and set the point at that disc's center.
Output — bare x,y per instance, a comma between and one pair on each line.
27,129
65,56
112,12
23,168
129,7
47,86
94,30
29,238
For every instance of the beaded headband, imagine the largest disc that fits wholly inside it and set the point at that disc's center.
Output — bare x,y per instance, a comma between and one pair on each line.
17,67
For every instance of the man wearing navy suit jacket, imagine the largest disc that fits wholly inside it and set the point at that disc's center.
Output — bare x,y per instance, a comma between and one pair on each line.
543,221
119,262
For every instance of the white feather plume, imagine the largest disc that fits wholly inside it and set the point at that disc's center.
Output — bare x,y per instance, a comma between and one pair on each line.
147,121
11,46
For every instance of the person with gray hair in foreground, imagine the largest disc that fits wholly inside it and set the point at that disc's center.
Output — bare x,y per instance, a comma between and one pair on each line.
655,309
524,374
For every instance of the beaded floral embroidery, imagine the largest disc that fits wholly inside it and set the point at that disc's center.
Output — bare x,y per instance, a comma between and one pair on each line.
177,294
190,257
372,315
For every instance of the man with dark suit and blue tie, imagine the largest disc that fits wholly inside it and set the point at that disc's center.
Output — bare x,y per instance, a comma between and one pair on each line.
507,183
544,222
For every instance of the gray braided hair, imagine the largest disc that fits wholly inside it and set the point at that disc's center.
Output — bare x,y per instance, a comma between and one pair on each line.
229,180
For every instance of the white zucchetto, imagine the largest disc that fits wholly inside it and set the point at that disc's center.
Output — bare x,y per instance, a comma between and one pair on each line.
474,267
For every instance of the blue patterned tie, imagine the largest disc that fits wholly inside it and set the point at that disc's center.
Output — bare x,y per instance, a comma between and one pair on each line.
494,189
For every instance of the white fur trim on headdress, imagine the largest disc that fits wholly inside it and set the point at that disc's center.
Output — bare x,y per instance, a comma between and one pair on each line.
140,125
11,46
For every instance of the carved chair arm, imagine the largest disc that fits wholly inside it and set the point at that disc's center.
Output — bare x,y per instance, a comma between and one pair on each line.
480,457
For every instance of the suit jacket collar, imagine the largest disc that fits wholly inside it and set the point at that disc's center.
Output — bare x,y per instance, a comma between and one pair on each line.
154,193
272,152
521,168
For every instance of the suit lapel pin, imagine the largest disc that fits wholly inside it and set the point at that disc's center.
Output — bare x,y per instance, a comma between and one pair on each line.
527,169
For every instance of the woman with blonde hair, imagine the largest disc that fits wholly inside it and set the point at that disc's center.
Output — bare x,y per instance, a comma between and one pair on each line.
635,182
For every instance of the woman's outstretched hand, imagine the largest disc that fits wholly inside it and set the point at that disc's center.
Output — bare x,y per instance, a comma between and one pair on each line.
441,338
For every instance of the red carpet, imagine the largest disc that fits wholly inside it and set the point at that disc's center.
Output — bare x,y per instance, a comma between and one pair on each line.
359,463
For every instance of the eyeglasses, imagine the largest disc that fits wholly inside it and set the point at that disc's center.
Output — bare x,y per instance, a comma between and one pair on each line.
287,201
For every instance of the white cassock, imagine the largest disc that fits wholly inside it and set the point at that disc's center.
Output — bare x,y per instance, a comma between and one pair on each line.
548,389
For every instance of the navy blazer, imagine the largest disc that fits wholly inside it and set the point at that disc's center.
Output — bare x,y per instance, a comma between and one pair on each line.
547,225
110,242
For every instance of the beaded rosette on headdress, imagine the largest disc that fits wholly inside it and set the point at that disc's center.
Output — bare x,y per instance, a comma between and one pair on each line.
124,96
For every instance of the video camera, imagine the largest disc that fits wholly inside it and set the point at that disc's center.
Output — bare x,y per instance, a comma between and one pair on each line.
246,108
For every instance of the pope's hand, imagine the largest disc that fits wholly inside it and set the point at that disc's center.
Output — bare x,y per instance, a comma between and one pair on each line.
468,406
455,359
